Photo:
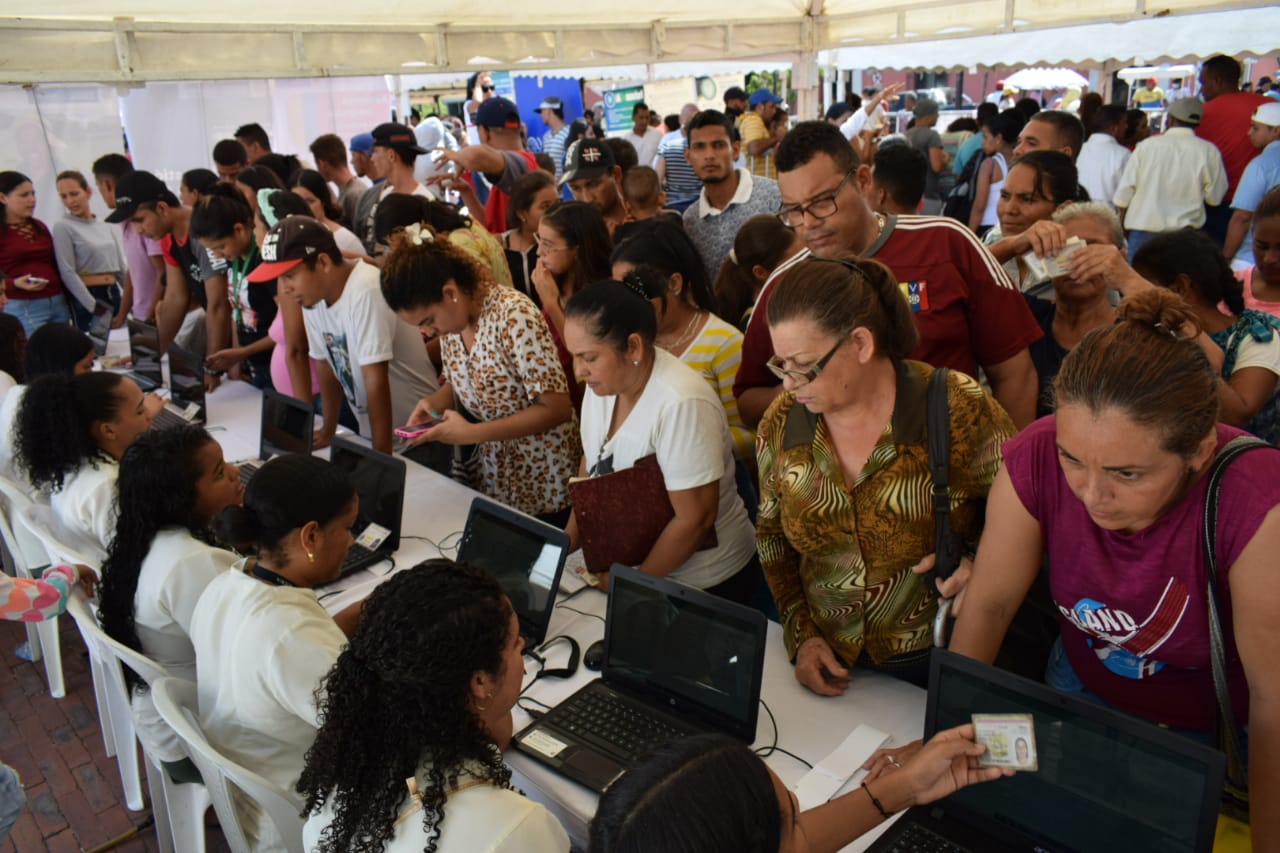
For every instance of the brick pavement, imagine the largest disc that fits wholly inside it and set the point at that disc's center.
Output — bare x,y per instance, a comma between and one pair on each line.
74,798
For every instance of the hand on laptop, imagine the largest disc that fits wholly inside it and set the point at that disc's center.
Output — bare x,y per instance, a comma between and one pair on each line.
818,669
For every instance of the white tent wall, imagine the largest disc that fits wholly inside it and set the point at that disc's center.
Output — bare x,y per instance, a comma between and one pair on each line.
172,127
52,128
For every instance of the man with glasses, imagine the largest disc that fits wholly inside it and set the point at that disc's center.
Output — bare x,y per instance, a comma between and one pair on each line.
729,196
969,314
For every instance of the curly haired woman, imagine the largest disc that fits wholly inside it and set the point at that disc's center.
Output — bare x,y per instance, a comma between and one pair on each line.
416,712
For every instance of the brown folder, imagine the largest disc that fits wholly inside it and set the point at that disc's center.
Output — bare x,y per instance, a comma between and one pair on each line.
621,515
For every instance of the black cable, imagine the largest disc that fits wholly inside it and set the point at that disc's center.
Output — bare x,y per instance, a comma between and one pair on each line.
766,751
443,545
581,612
571,596
533,712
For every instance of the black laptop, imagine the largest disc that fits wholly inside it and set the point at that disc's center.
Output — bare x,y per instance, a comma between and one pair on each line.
525,555
288,426
100,326
186,404
379,481
144,354
678,661
1107,781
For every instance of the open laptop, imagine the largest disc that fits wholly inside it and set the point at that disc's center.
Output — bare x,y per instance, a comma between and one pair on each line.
186,403
1107,781
379,481
525,555
678,661
144,354
288,426
100,327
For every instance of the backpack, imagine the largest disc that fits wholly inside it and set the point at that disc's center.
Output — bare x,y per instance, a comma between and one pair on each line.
959,202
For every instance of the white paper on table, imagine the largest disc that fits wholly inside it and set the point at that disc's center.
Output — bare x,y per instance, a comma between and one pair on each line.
829,775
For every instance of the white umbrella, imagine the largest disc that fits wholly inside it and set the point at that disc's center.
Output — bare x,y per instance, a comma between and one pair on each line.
1044,78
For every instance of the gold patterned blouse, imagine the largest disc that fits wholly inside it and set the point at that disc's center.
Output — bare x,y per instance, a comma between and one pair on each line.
838,560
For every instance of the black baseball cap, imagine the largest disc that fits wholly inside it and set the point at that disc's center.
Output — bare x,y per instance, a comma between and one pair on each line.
136,189
289,243
498,112
587,158
398,136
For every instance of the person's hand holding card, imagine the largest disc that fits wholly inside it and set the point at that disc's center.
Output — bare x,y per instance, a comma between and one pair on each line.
1010,740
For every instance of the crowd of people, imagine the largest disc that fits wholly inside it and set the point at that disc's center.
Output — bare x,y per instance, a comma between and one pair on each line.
757,307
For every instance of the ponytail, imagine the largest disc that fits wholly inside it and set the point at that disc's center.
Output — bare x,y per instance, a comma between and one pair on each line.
762,241
218,212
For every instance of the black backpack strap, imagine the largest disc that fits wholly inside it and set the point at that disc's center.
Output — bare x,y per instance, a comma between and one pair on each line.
1228,731
938,420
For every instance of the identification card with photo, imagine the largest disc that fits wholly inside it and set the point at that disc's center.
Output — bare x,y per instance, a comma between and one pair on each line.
1010,740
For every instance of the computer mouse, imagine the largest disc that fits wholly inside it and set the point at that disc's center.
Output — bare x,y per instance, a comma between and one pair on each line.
594,657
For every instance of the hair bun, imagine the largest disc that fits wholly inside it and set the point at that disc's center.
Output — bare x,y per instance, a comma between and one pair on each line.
1162,311
238,526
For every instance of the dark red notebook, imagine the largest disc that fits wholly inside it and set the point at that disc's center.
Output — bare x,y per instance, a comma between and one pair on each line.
621,515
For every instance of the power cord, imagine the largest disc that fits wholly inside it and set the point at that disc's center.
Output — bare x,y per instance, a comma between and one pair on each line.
449,542
580,612
766,751
567,671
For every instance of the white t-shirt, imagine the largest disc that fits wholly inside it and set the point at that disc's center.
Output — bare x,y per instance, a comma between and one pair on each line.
358,330
1255,353
861,121
7,384
347,241
172,577
479,818
85,506
9,435
646,146
681,419
261,652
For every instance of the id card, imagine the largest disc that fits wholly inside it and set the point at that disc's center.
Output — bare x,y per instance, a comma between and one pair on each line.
373,536
1010,740
1054,266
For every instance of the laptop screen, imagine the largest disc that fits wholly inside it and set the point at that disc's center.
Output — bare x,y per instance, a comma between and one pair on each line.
523,554
701,654
186,379
100,327
379,481
287,425
1106,780
144,351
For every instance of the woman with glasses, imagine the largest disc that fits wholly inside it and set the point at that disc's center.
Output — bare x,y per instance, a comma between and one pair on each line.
846,529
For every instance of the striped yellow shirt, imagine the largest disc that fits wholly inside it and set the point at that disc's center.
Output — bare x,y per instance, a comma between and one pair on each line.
716,353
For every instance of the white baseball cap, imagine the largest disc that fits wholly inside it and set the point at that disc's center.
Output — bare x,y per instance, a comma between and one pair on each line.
1268,114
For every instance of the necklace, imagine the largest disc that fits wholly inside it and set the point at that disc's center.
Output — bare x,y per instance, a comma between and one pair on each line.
685,337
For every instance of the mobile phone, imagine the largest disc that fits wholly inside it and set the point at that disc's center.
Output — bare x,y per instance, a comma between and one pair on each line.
409,433
35,279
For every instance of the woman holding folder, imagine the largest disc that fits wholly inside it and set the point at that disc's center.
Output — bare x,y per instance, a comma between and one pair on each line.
658,488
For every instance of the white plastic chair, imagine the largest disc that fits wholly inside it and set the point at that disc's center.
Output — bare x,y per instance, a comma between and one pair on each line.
176,701
178,808
25,556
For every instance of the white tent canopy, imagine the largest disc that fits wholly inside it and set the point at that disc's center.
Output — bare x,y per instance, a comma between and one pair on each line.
1031,79
1173,37
142,40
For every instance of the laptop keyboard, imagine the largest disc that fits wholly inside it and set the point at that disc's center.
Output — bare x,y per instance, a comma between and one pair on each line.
247,470
168,418
917,839
354,557
624,726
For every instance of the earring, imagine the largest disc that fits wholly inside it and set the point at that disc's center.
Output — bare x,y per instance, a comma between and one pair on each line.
311,557
455,299
636,362
487,699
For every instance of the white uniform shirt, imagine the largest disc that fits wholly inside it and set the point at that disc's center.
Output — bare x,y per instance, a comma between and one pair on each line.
85,506
1168,181
1101,163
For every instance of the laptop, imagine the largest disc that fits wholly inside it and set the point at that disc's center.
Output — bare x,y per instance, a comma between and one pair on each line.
186,403
525,555
379,481
1107,781
288,426
678,661
100,327
144,354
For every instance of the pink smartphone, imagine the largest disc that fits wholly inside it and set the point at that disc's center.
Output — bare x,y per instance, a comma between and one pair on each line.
409,433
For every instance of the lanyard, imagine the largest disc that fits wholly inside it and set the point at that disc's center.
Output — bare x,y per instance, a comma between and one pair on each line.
270,577
241,267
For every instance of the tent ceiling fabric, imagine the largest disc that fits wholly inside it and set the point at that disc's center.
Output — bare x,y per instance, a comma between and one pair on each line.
79,40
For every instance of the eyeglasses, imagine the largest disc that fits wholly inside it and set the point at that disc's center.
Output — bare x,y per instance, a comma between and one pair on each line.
489,88
819,208
804,377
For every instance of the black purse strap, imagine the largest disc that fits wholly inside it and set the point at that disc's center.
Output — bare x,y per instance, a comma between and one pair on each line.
1229,734
938,422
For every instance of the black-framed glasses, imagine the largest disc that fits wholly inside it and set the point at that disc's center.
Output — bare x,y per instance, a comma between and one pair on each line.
804,377
489,88
819,208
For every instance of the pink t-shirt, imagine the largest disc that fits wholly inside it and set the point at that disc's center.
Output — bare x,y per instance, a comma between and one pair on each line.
1251,301
1133,608
138,252
279,366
